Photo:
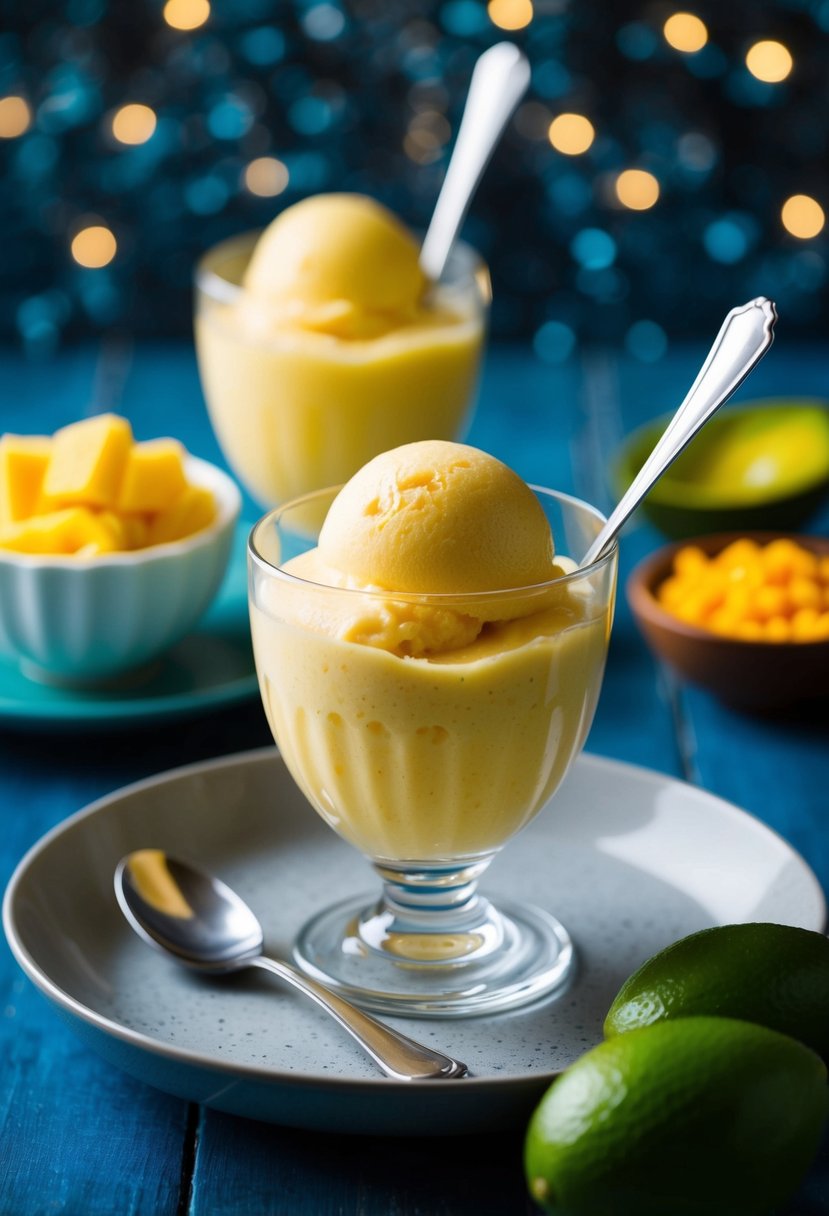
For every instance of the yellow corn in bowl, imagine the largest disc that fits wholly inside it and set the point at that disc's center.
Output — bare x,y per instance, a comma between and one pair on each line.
744,615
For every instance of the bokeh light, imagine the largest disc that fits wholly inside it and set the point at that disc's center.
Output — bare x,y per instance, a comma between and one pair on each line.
426,136
134,123
803,216
769,61
663,199
571,134
646,341
15,116
266,176
554,342
94,246
593,248
685,32
186,14
510,14
637,189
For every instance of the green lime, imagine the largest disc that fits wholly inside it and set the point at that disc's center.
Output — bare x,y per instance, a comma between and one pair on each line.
698,1117
775,975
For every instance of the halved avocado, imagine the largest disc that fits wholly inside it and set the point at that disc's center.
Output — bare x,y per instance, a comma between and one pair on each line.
764,464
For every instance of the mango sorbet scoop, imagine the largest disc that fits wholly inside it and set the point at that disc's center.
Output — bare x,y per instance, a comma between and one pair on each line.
339,264
439,519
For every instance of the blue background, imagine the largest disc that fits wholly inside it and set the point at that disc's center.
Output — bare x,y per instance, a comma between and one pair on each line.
366,95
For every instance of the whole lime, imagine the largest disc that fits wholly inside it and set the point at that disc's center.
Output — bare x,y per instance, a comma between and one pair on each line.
775,975
698,1117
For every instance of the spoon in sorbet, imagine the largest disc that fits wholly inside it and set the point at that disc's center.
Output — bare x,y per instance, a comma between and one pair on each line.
745,336
499,81
205,926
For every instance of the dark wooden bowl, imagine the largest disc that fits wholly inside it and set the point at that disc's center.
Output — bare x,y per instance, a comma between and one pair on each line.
745,674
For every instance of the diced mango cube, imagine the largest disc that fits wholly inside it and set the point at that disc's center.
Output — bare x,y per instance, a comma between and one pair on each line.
23,461
88,461
58,532
153,476
132,530
193,510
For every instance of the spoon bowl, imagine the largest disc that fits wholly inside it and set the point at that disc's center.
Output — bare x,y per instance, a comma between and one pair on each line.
187,913
204,925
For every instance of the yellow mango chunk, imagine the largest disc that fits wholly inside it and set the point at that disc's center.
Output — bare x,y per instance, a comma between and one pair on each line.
153,476
88,461
23,461
132,530
193,510
59,532
91,490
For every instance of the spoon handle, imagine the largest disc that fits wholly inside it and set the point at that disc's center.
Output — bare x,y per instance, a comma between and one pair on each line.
745,336
499,81
397,1055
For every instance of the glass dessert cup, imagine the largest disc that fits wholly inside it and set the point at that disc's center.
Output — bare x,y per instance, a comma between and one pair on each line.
429,765
295,410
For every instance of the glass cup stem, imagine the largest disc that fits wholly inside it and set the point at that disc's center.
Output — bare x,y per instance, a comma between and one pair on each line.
431,915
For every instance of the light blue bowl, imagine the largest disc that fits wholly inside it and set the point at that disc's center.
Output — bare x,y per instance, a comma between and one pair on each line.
80,621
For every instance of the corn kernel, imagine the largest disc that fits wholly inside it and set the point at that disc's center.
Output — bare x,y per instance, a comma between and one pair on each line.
768,602
739,553
749,631
778,629
672,592
803,593
690,560
723,622
777,592
804,623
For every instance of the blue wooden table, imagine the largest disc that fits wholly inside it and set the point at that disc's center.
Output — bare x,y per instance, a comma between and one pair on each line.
80,1138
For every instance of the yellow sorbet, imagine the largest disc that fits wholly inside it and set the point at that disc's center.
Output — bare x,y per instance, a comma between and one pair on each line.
428,727
328,346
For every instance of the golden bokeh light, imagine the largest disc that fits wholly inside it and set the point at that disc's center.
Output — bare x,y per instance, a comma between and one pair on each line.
133,123
637,189
571,134
266,176
94,247
186,14
510,14
769,61
15,117
803,216
685,32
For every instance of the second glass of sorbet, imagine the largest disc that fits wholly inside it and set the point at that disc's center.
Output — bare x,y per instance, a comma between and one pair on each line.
427,744
300,398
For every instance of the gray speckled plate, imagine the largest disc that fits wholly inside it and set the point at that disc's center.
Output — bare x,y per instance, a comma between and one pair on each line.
628,859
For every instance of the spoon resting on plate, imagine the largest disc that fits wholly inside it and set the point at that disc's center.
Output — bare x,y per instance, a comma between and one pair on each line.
499,81
745,336
204,925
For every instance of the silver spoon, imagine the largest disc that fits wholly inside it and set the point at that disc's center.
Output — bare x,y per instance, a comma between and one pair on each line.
194,917
745,336
499,81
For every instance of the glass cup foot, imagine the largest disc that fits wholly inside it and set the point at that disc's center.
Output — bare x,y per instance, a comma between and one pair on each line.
383,959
